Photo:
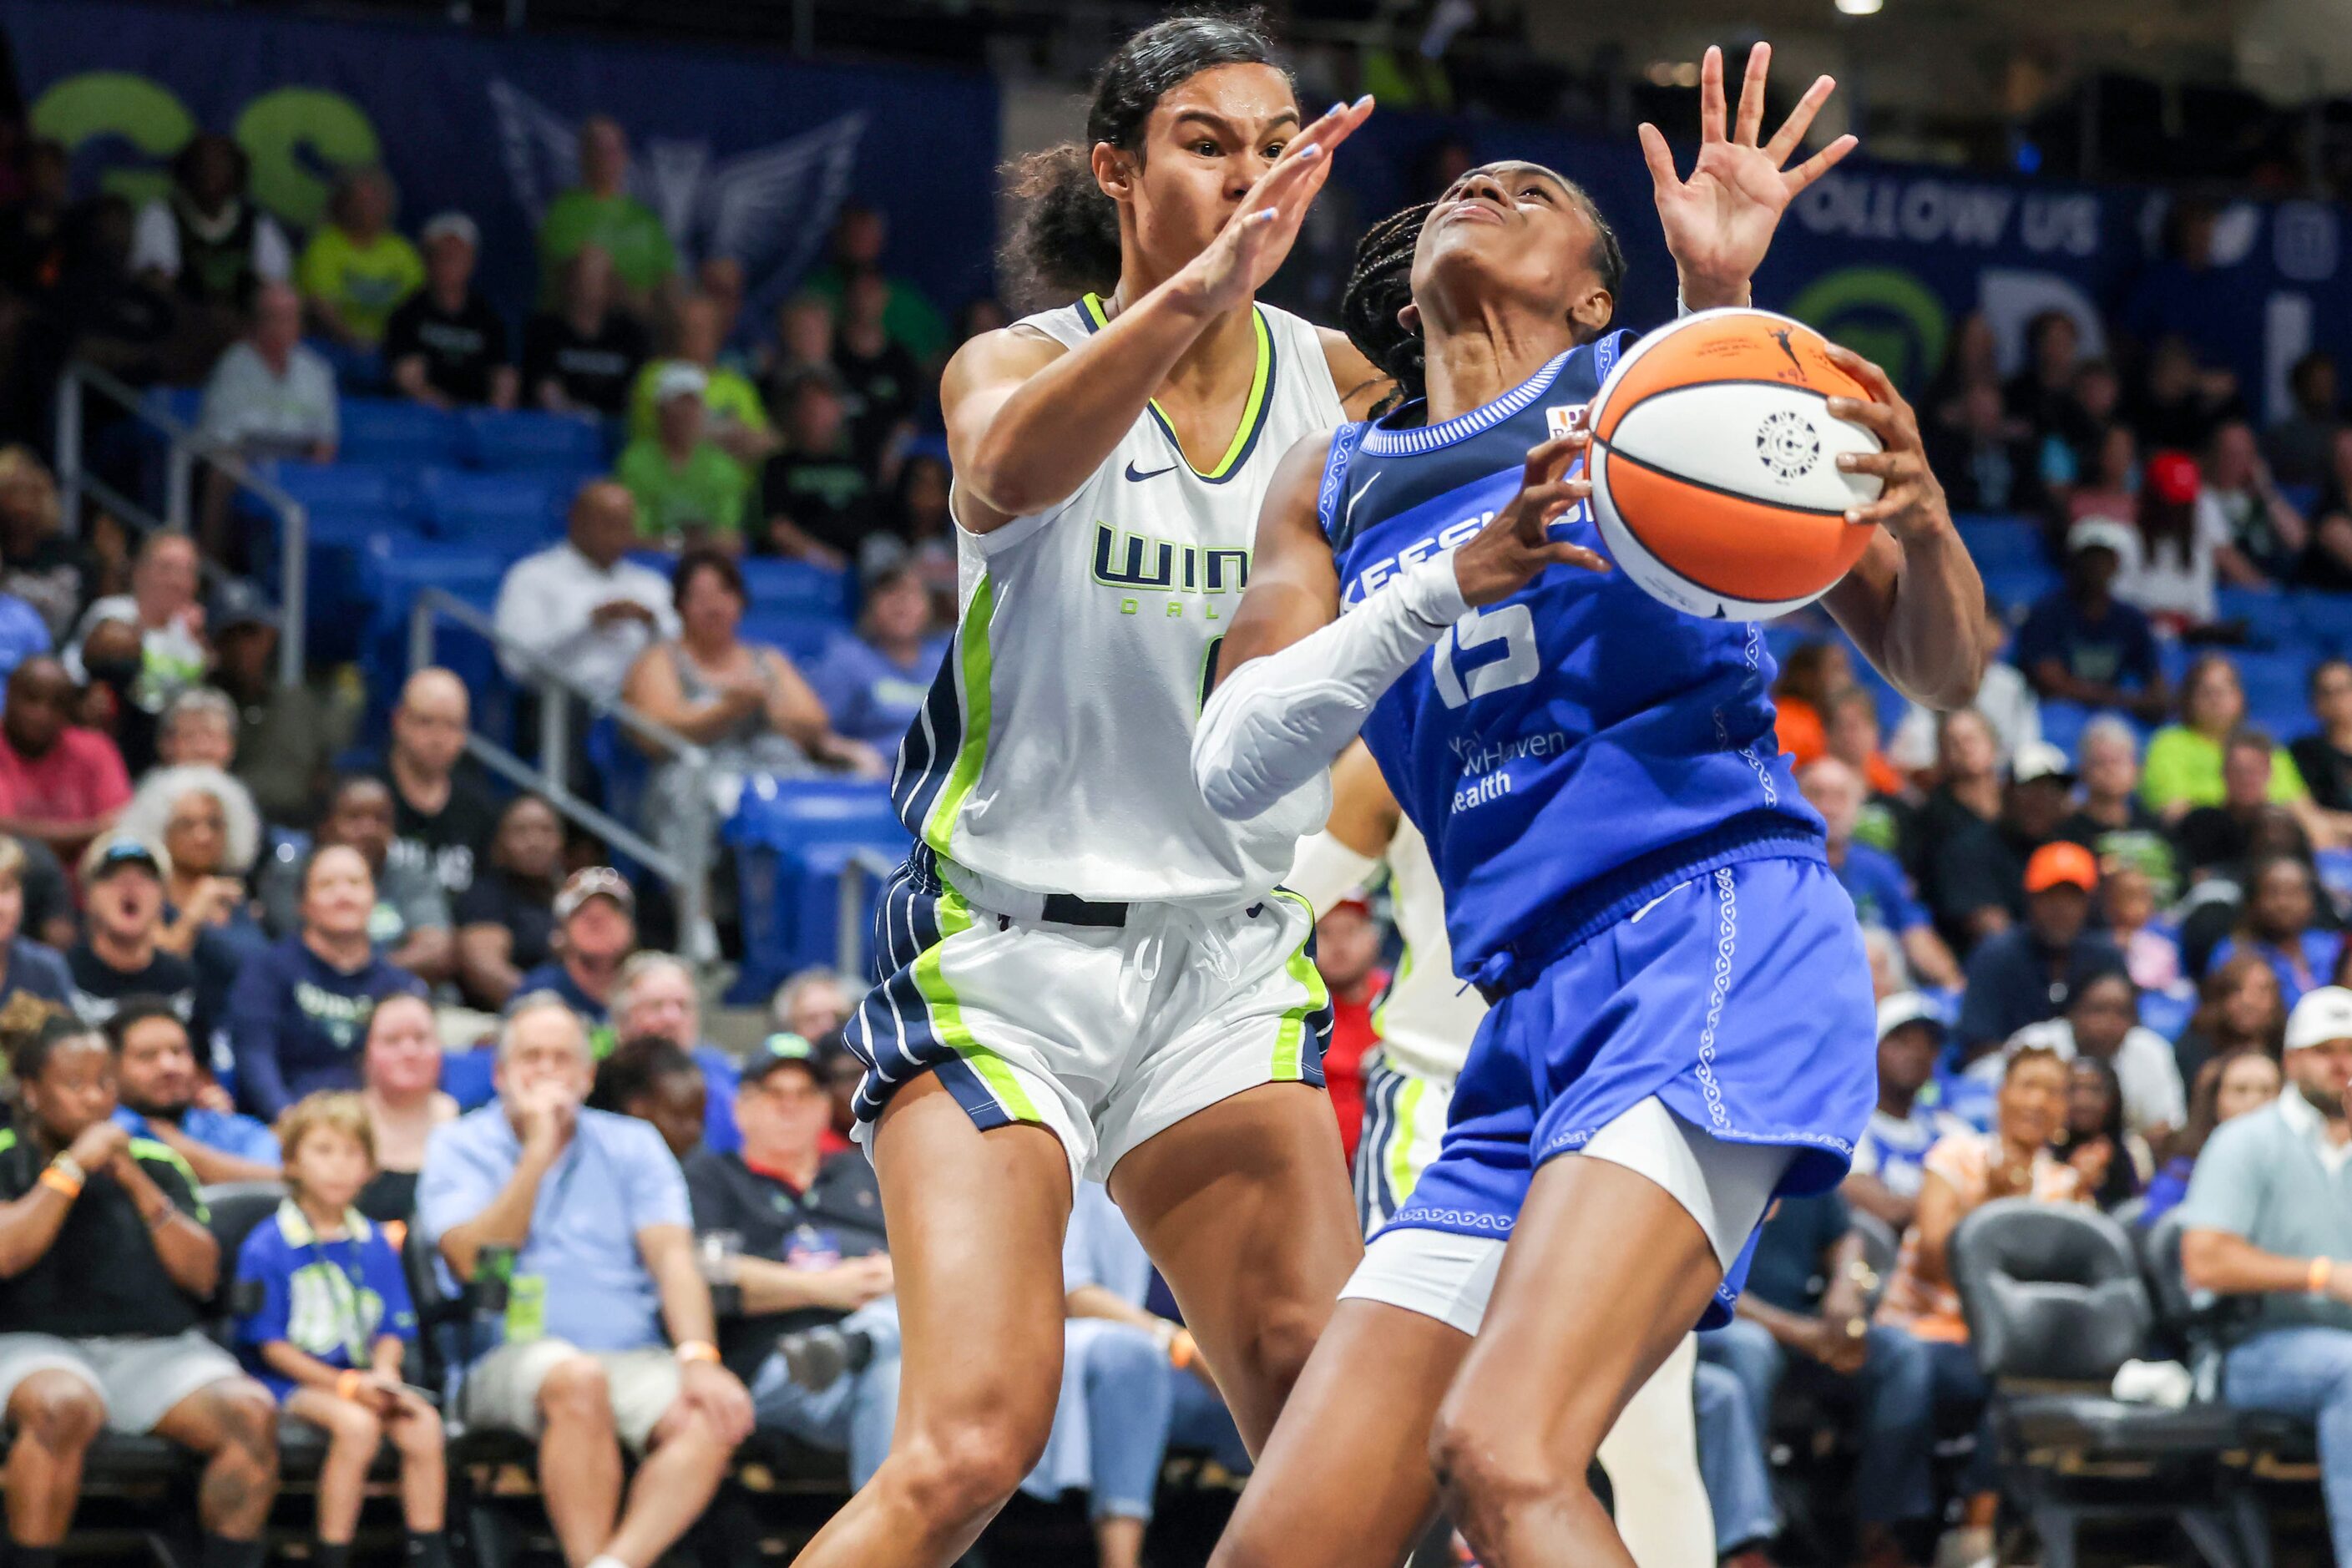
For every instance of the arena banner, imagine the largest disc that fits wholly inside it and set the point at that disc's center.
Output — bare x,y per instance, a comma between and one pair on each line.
1890,258
742,152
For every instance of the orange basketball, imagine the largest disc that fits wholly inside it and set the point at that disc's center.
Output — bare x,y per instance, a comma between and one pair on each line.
1714,465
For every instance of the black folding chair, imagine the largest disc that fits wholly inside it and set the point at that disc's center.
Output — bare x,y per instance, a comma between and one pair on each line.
2055,1304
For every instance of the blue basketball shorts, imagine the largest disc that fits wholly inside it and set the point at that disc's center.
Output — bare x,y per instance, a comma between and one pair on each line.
1741,1000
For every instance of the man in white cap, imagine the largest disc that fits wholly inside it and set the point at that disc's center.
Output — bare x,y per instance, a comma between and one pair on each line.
686,486
446,345
2083,644
2268,1217
1890,1158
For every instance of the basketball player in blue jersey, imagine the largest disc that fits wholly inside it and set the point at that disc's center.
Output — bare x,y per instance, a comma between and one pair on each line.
1082,970
1681,1026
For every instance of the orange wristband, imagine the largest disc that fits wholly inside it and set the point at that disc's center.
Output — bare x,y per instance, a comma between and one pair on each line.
2323,1270
348,1385
57,1180
697,1350
1183,1349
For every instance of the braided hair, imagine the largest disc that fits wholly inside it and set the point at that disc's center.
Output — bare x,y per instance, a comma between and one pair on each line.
1068,240
1379,286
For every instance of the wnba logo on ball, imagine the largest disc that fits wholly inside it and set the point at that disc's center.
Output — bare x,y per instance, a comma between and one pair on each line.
1789,443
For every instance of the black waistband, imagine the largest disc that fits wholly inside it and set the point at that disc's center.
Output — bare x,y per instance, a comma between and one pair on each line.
1068,909
1056,909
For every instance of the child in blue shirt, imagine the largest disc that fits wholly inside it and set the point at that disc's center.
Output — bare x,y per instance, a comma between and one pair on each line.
333,1325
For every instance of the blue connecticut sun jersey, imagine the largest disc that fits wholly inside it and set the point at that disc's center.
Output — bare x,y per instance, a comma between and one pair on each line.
1579,748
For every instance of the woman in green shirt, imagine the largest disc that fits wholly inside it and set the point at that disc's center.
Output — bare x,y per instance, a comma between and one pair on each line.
357,269
2184,760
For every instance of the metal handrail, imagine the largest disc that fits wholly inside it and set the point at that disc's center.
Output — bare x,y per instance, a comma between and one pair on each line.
689,878
186,445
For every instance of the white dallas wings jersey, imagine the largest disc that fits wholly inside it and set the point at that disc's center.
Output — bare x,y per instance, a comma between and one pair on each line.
1427,1020
1054,752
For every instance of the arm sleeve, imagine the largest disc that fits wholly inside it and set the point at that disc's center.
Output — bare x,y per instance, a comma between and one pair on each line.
253,1027
262,1262
453,1186
2224,1188
1279,721
657,1187
1326,870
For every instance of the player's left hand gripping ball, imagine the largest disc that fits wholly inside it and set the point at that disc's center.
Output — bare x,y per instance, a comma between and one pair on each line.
1912,502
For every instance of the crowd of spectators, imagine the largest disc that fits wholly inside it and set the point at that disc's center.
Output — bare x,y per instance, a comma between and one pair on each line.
2108,970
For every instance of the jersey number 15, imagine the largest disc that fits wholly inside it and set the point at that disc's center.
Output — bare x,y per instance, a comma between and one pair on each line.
1512,626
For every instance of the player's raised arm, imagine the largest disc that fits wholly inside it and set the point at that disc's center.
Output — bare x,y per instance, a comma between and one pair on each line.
1294,683
1720,221
1914,604
1028,421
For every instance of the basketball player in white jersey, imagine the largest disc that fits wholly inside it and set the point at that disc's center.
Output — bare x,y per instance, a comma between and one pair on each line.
1083,971
1426,1022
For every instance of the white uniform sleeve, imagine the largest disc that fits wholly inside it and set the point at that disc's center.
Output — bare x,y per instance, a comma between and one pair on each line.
1326,870
154,243
1277,722
273,259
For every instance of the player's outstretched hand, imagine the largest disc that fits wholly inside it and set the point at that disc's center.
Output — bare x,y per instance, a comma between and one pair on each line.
1262,231
1517,544
1720,221
1913,501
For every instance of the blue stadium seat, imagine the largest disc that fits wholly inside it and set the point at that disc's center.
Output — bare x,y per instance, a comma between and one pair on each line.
2018,586
326,488
777,587
502,441
2270,616
802,637
465,1077
792,840
507,510
180,402
621,768
391,430
2274,685
2062,723
396,572
2325,619
2006,543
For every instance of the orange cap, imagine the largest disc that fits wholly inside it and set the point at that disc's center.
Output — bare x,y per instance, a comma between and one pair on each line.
2060,862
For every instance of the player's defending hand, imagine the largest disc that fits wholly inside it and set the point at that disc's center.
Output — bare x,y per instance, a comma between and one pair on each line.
1262,231
1912,504
1517,544
1720,221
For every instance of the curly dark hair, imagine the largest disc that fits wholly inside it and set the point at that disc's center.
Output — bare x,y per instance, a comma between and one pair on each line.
1067,241
1379,285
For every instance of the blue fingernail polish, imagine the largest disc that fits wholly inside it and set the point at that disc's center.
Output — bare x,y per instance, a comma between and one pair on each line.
1335,108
